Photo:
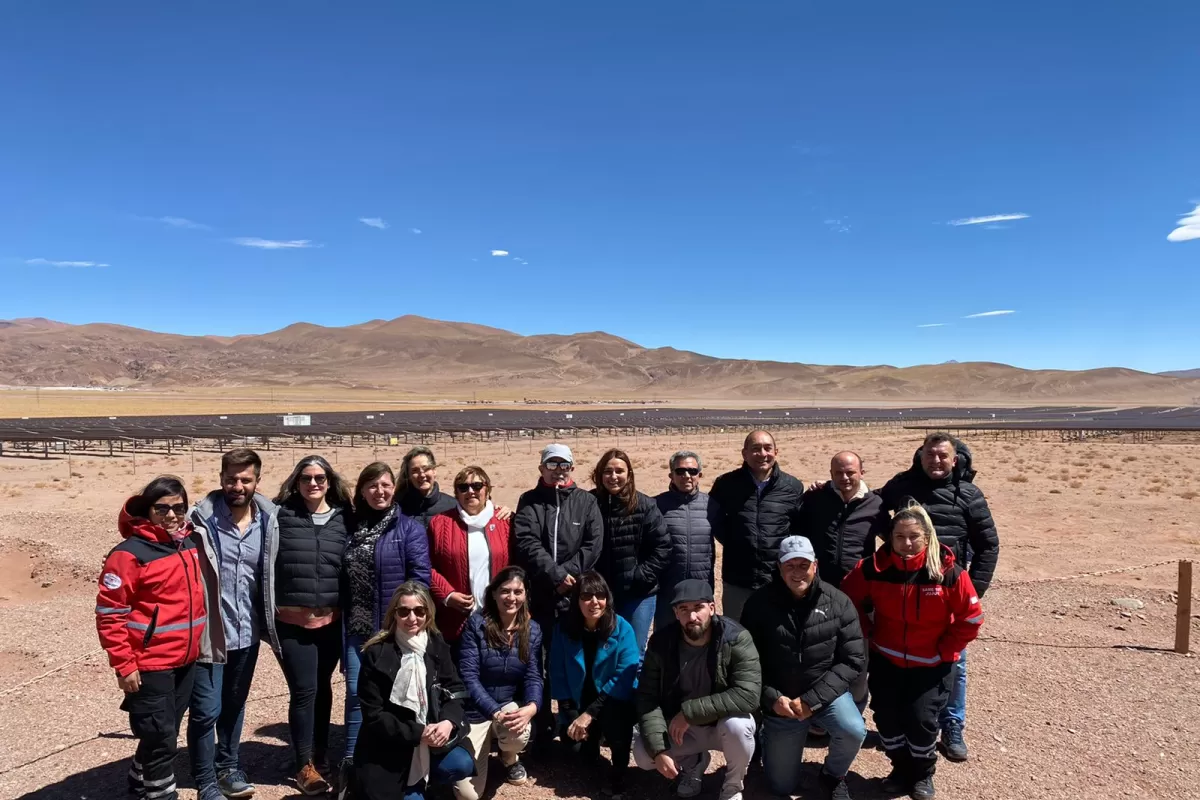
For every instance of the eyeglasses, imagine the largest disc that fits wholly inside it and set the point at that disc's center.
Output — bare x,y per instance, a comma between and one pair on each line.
474,486
560,466
319,480
162,509
404,613
681,471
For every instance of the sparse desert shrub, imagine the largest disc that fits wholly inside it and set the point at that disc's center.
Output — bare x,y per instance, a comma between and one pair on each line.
40,485
1022,478
1076,484
1127,459
1155,489
1056,491
76,474
1189,495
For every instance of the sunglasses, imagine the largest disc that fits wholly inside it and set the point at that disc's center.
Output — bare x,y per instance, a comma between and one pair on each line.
558,465
588,597
319,480
473,486
681,471
405,613
162,509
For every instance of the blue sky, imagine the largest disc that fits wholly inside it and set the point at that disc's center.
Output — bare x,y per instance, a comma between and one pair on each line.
750,179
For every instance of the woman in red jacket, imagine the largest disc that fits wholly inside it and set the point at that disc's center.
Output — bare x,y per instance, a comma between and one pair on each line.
150,615
468,546
925,612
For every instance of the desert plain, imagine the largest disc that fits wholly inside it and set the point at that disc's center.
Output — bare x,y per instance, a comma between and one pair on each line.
1070,696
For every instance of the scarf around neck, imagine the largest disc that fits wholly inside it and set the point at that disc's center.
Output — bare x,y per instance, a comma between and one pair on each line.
477,522
373,523
409,691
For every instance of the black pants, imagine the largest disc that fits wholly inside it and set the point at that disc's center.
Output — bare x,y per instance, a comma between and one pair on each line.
615,725
155,712
544,720
907,703
309,657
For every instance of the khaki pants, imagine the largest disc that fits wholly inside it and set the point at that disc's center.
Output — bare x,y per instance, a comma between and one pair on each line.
479,742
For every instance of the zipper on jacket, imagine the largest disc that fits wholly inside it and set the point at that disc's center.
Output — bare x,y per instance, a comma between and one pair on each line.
191,608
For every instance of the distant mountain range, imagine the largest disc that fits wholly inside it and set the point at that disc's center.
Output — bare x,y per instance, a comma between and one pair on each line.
418,357
1182,373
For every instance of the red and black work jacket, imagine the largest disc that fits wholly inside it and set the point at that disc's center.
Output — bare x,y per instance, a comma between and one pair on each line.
150,609
918,621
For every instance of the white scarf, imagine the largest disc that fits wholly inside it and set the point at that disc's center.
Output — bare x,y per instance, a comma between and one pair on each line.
477,522
409,692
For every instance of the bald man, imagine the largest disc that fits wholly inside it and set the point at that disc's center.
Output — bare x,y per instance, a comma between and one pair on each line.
760,506
842,518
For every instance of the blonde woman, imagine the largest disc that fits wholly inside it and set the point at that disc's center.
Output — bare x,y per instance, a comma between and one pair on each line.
412,705
925,612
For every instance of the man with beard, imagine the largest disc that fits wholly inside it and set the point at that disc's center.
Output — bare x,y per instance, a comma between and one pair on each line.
236,530
812,650
698,687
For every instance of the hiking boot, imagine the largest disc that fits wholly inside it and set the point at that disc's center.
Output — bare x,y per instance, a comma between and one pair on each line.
516,774
896,783
731,791
689,779
872,741
834,788
310,782
952,744
209,791
233,784
923,789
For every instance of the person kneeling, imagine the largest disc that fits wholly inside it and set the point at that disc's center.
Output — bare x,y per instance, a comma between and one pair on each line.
808,636
593,667
699,685
411,698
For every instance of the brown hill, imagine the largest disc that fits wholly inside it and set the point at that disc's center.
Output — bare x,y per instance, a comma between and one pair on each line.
424,357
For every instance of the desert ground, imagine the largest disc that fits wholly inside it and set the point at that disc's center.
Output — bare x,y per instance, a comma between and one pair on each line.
1070,695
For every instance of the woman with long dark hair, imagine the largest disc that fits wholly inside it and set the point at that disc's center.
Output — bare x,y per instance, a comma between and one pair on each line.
386,549
150,617
636,542
593,666
411,699
500,659
468,546
314,526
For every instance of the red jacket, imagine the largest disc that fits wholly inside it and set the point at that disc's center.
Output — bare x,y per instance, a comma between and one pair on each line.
451,565
150,610
917,622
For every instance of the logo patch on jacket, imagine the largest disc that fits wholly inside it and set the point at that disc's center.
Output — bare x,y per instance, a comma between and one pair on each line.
931,591
111,581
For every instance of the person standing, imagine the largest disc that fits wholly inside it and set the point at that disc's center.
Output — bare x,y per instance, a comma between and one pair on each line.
811,646
500,660
150,617
420,497
918,610
468,547
941,479
386,549
693,522
236,530
761,507
314,528
557,535
698,688
636,544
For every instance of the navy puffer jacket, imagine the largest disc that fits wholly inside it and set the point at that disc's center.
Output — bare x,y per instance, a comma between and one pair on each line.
495,677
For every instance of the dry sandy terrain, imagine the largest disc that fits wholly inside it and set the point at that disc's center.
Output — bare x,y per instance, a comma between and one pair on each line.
1068,698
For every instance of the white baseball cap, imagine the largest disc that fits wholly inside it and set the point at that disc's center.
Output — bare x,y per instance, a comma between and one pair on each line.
557,451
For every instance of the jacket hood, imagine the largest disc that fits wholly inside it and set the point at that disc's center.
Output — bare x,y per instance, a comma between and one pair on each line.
863,489
132,522
962,465
207,505
886,557
549,490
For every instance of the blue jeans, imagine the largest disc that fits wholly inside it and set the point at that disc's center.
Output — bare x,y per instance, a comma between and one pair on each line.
783,743
353,711
448,769
219,702
638,612
956,708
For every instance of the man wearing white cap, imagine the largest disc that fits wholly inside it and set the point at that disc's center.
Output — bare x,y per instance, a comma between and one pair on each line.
557,534
811,648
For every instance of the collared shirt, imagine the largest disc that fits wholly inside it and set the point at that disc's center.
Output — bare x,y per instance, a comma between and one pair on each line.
240,558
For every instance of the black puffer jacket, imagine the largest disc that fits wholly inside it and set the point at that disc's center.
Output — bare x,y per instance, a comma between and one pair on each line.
308,564
959,512
421,508
555,533
636,546
811,648
693,522
842,534
755,525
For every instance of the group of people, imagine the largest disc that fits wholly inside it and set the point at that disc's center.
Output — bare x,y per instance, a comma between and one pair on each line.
583,616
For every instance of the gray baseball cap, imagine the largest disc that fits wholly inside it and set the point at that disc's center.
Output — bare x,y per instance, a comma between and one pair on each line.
557,451
796,547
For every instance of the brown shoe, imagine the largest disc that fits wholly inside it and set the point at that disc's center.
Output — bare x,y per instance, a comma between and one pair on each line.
310,782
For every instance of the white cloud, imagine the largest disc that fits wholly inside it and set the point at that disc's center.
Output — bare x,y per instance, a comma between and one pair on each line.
499,252
415,230
274,244
180,222
1189,227
373,222
45,262
988,219
989,314
839,225
934,325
